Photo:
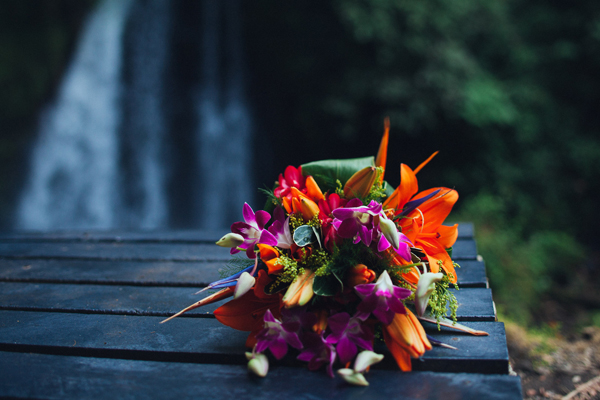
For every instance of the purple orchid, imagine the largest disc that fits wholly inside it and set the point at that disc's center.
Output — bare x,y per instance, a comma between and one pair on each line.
280,228
369,223
317,352
276,337
253,231
382,298
348,333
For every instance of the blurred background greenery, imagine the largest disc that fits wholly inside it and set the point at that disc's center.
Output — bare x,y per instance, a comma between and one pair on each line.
507,90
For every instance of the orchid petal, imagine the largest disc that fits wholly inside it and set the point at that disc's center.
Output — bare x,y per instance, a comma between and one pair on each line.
262,217
383,244
348,228
267,237
404,251
248,214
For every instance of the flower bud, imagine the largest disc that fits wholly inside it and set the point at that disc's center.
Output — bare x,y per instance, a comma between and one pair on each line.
309,209
360,184
359,275
389,230
231,240
352,377
365,359
244,284
258,364
300,291
425,287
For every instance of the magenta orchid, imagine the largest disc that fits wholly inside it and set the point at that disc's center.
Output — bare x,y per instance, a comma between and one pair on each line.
382,298
280,228
369,223
317,352
347,333
253,231
276,337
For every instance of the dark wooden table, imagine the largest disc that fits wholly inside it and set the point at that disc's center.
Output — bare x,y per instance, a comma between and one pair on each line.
80,313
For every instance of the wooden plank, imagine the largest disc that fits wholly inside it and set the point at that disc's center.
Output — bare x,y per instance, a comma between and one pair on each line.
475,304
465,230
205,340
156,273
463,250
167,236
60,377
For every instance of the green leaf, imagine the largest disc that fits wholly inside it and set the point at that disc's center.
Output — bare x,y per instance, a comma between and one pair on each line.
304,235
318,235
325,285
326,172
389,189
449,251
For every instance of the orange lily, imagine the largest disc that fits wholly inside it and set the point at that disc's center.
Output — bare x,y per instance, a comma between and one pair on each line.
270,256
406,338
246,312
423,226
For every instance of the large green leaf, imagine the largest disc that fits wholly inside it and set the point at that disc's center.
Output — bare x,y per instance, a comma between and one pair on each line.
326,172
328,285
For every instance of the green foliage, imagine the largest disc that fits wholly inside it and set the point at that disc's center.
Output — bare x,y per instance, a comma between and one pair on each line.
523,268
505,90
327,172
442,300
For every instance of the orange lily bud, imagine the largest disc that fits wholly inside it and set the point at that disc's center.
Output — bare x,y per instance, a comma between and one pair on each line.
360,183
300,291
287,204
313,190
406,336
270,256
296,207
321,324
309,208
359,275
298,194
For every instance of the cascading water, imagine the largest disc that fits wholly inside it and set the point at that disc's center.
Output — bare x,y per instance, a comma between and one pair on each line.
106,155
74,170
224,127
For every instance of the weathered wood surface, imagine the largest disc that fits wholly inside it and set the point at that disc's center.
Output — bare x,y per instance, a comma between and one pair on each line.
71,377
475,304
80,313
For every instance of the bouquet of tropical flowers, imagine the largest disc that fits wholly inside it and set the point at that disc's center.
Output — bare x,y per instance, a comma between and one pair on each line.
339,259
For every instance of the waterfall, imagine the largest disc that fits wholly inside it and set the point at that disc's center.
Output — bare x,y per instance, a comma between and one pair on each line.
224,127
73,177
106,155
